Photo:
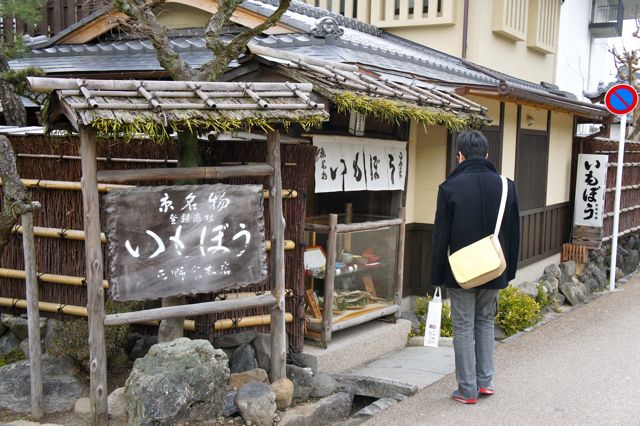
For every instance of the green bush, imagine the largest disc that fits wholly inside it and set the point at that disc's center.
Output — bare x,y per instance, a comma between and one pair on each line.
11,357
72,341
422,307
516,311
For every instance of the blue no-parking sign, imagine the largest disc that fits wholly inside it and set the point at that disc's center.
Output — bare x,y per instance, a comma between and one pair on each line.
621,99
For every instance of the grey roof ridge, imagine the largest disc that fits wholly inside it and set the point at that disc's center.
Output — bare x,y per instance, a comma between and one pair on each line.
316,12
257,7
91,17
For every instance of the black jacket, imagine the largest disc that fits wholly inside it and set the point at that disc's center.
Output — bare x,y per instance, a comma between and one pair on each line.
468,203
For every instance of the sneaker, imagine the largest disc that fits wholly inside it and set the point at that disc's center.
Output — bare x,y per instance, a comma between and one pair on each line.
486,391
457,396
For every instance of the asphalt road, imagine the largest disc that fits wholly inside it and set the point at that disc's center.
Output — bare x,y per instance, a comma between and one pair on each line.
582,368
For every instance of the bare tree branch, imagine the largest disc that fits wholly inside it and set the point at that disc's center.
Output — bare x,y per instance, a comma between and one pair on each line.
225,53
13,191
143,21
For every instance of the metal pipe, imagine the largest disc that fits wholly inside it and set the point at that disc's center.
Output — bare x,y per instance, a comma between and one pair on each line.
465,29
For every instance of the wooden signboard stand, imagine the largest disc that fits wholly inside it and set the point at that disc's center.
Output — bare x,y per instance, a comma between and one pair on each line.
72,110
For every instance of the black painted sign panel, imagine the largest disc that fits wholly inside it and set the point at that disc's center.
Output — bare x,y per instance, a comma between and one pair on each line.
179,240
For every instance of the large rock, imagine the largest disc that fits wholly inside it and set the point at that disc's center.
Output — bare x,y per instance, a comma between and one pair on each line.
630,262
8,344
256,403
234,340
262,348
19,327
375,387
334,408
243,359
177,382
237,380
142,346
52,331
283,390
551,284
323,385
528,288
552,270
62,386
82,409
302,379
574,294
567,270
117,404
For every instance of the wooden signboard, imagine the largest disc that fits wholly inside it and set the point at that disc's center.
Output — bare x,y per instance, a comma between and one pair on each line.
179,240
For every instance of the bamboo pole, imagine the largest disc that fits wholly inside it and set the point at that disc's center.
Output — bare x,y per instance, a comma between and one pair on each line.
189,325
329,276
48,278
277,225
72,234
48,84
33,317
400,260
94,270
190,310
101,159
180,173
104,187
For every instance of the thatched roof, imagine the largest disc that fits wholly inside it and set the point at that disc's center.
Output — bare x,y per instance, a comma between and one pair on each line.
387,97
128,107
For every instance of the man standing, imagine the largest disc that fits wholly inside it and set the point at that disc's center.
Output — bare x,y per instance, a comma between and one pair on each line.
468,203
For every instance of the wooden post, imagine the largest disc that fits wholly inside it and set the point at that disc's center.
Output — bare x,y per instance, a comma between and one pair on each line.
329,276
348,217
276,255
94,274
400,260
33,315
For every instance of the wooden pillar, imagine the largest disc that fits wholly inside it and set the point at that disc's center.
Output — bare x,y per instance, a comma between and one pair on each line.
33,315
329,276
94,275
400,259
276,255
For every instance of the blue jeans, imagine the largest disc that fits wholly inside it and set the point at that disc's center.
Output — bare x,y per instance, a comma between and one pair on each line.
473,313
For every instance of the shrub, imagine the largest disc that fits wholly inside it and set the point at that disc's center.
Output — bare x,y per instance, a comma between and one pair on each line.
422,307
72,341
546,300
516,311
11,357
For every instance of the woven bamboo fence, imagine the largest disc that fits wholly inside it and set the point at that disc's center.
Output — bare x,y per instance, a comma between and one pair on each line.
62,209
630,194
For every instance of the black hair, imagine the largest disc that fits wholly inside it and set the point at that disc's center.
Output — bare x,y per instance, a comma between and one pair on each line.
473,144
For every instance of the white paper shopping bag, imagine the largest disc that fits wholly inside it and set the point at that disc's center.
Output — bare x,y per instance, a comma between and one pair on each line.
434,315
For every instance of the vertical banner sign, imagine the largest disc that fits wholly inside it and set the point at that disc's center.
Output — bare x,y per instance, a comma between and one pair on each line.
590,189
178,240
359,164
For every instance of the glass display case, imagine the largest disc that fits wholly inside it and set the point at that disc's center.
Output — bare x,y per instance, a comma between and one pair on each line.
353,264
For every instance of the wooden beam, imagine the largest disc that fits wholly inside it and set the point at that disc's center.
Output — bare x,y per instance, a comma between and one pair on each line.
179,173
363,226
94,271
93,29
400,260
181,311
329,276
276,256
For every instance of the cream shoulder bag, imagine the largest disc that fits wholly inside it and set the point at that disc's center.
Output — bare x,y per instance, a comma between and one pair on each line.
482,261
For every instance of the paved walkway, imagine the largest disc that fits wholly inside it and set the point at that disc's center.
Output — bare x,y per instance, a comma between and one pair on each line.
580,369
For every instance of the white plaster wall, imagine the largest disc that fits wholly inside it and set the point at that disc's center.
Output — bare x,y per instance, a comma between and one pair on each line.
509,140
574,46
559,171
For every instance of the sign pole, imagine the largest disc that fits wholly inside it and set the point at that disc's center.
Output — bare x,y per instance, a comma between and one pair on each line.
621,99
616,205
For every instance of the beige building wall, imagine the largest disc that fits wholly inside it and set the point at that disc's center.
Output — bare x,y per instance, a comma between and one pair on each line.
484,46
178,16
533,118
510,134
493,111
427,152
559,172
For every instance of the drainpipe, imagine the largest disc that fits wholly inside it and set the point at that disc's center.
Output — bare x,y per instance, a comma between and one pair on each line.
465,29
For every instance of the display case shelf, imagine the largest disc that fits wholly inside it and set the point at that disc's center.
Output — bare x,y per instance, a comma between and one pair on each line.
374,247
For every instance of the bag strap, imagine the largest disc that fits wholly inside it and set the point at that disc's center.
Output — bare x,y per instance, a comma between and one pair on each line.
503,203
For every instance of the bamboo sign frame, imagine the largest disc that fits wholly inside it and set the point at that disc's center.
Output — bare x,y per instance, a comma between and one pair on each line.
75,111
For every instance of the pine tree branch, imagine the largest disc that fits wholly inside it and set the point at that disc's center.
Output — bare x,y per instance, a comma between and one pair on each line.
14,194
225,53
143,21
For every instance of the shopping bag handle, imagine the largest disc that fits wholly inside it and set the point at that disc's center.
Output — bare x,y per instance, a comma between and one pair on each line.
437,296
